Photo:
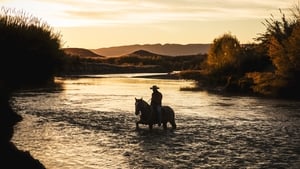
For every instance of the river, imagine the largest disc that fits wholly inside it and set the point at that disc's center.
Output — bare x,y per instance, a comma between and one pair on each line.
88,122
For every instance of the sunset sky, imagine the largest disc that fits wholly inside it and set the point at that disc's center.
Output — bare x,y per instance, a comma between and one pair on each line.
95,24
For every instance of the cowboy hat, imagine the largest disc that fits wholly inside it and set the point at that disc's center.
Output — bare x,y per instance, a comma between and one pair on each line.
154,87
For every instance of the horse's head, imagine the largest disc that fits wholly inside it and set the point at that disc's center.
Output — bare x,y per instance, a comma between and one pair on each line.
138,105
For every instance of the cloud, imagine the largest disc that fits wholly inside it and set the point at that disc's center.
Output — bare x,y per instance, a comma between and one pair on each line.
104,12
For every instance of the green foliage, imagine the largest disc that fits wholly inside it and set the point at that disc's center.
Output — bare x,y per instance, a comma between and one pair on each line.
30,50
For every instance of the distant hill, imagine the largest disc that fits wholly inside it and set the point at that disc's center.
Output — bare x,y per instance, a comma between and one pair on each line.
81,52
165,49
144,53
136,62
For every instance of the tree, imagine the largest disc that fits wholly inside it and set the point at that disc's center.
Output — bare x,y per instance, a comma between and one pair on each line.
282,42
223,54
293,51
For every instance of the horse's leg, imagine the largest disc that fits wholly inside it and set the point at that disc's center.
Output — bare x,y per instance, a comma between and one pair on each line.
137,124
172,119
150,126
173,124
165,125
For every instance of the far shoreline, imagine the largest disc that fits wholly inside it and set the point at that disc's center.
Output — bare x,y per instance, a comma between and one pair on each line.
157,75
219,90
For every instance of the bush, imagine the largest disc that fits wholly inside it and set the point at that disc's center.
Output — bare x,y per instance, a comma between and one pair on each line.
30,49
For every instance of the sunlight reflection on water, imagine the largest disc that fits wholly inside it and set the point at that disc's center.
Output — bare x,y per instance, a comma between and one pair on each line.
91,124
106,94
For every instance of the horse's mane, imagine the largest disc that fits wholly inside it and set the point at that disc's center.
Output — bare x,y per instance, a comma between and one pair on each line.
144,103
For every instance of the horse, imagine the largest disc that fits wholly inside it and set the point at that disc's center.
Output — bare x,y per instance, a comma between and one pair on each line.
145,111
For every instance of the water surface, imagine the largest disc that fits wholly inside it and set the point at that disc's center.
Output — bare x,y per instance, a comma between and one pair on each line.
89,122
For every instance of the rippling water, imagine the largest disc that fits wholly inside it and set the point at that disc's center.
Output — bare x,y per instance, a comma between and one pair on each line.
89,123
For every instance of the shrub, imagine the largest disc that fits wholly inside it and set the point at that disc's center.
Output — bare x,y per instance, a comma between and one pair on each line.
30,49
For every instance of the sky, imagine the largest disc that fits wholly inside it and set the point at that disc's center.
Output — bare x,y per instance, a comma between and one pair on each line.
94,24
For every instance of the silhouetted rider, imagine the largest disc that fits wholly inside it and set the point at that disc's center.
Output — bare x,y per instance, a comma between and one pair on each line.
156,102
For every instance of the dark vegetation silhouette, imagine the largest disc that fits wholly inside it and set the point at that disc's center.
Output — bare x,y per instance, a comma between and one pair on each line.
281,42
169,63
138,61
30,49
269,67
31,55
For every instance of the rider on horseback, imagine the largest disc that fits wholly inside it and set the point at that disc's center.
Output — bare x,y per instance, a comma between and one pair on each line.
156,102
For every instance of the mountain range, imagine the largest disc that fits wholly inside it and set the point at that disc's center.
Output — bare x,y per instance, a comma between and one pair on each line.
81,52
162,49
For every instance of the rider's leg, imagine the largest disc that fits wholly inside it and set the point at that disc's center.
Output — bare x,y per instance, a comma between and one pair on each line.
159,115
152,114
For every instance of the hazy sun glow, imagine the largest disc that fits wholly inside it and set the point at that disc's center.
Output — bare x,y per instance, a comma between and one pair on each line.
102,23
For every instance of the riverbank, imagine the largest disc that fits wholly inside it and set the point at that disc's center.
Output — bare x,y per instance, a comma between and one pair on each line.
11,156
201,84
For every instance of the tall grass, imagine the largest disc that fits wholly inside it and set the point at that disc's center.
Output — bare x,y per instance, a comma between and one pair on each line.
30,49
